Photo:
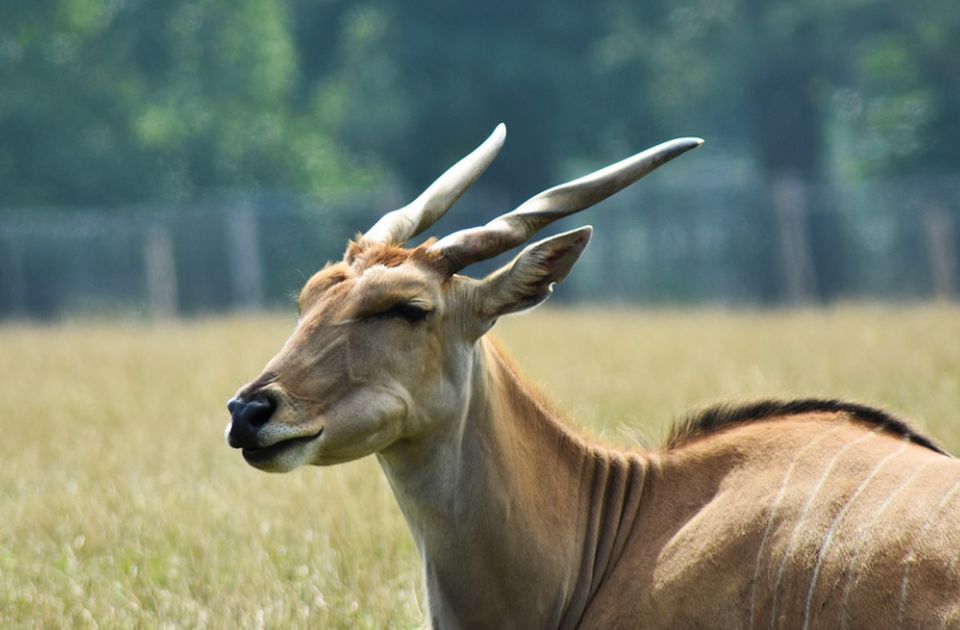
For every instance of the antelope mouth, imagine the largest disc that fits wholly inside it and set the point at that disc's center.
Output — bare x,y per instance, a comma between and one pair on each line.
256,454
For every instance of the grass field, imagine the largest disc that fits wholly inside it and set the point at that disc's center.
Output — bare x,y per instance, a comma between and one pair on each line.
122,507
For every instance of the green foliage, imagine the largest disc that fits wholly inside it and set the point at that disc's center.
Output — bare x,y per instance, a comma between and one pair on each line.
909,91
107,102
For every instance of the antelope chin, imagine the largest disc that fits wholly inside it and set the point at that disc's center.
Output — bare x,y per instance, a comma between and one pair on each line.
282,456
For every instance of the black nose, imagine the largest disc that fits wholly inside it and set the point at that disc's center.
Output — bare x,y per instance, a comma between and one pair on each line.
247,416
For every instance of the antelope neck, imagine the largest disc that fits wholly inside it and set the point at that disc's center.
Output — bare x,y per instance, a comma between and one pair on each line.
517,519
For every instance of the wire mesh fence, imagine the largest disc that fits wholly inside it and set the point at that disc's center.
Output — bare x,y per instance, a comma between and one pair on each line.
786,242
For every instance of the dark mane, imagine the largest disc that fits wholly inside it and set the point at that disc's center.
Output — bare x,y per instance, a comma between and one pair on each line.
721,416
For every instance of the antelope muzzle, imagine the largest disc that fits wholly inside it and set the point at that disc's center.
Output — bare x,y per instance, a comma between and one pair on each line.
247,417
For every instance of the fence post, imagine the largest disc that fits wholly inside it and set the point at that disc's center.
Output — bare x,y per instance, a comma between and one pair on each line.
790,206
161,270
243,251
942,250
13,279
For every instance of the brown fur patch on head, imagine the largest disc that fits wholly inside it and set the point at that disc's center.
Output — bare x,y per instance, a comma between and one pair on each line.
362,254
329,276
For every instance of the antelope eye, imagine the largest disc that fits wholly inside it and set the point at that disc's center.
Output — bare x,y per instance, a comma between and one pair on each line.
404,310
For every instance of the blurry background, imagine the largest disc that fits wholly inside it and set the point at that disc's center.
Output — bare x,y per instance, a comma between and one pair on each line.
175,167
194,156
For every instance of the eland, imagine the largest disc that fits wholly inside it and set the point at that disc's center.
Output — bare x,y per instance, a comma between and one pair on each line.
772,514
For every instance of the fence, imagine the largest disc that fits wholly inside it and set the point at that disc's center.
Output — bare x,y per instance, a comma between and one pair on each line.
745,244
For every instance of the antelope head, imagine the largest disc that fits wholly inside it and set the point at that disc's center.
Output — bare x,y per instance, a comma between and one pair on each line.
385,343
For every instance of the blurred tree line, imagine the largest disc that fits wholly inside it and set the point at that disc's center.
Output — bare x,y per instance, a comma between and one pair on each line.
112,102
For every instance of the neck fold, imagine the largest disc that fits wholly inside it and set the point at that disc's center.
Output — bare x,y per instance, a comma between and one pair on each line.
516,518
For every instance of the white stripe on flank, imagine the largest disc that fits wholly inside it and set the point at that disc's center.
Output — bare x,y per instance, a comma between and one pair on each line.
953,563
863,528
803,515
773,514
836,523
904,585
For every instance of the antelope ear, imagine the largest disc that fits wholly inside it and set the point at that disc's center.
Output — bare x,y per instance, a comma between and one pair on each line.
528,280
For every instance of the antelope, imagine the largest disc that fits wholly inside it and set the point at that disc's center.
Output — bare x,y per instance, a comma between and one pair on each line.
770,514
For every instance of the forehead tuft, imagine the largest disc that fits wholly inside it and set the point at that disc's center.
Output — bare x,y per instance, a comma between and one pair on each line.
327,277
362,255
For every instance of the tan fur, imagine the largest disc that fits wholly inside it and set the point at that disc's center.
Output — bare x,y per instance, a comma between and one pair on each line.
802,516
362,254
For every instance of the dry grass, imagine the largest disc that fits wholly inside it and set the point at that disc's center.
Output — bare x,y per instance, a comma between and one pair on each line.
120,505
